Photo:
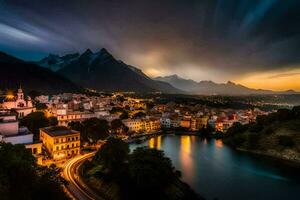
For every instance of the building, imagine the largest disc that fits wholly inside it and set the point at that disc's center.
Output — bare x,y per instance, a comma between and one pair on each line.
19,104
149,125
64,117
201,122
134,125
10,132
142,125
60,142
185,123
165,122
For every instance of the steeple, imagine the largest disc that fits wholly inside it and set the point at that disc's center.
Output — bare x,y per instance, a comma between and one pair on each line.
20,93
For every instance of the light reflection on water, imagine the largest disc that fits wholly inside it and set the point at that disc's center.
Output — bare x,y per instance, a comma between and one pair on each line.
186,160
215,170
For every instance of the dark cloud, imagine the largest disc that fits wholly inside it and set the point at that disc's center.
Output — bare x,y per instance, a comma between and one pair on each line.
196,38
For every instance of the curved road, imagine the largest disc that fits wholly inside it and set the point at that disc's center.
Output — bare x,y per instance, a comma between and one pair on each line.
78,189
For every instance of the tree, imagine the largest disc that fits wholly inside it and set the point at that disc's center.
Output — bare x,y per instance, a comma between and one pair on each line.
124,115
41,106
286,141
296,111
112,155
75,125
139,115
117,125
21,178
150,105
53,121
116,110
34,121
151,171
94,129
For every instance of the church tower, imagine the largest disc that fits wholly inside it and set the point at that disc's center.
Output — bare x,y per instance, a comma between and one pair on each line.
20,94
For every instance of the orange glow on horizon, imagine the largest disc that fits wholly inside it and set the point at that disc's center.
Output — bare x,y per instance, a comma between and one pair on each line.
278,81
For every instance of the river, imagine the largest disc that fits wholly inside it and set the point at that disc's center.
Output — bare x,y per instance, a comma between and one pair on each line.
214,170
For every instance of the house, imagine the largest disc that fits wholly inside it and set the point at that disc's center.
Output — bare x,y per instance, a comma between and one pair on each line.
185,123
134,125
142,125
61,142
10,132
165,122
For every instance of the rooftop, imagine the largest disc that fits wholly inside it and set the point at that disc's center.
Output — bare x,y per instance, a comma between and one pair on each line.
58,131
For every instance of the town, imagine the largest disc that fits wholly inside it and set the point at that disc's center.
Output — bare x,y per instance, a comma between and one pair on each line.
126,116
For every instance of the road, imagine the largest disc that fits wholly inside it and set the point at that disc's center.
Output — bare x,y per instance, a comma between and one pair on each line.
77,188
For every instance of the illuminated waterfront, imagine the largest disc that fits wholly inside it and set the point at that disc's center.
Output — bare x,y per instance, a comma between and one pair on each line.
216,171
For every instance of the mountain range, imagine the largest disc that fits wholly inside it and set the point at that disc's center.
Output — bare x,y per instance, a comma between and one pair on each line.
212,88
16,72
101,71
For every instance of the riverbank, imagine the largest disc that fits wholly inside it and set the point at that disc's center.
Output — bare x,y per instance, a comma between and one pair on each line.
286,157
289,156
217,171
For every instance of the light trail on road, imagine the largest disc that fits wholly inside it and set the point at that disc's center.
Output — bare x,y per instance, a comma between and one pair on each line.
78,189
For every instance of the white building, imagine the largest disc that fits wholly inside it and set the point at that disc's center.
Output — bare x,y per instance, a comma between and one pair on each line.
10,132
165,122
19,104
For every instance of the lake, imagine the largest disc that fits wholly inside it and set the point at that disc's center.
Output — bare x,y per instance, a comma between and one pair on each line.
214,170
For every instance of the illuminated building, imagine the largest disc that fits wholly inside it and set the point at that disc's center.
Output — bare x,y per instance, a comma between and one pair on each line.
19,104
61,142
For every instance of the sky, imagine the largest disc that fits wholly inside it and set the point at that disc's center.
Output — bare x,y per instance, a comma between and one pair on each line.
251,42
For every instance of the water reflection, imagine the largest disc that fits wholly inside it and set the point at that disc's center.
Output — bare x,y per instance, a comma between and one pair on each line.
155,142
216,171
185,157
219,143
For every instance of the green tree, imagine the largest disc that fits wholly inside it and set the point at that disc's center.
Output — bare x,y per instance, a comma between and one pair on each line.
296,111
139,115
124,115
40,106
151,171
117,126
116,110
113,155
286,141
75,125
94,129
21,178
34,121
53,121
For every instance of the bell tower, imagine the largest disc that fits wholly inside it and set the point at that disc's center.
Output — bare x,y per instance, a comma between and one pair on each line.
20,94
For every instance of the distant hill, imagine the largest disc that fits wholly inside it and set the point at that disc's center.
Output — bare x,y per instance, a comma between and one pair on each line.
276,135
15,72
103,72
212,88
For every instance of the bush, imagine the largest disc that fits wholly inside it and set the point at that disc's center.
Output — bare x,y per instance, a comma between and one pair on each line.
113,155
255,127
285,141
269,130
253,140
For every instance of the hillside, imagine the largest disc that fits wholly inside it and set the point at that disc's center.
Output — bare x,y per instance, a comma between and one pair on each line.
15,72
212,88
103,72
276,135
